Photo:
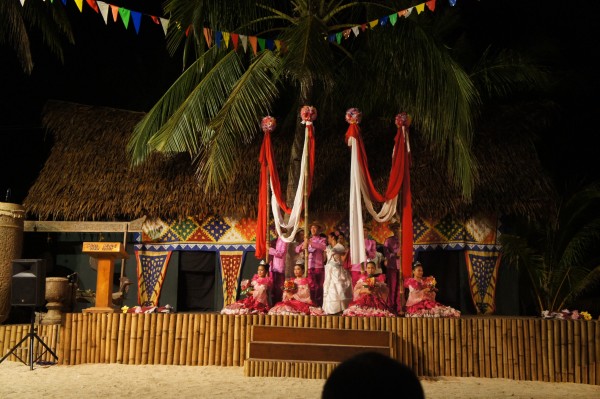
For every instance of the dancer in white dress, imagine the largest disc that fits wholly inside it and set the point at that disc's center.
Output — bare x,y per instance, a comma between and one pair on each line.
337,287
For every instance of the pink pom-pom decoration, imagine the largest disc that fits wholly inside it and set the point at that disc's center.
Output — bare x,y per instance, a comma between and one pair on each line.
403,119
308,113
268,124
353,116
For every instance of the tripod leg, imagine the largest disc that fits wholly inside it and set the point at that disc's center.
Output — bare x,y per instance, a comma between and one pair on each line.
14,348
48,349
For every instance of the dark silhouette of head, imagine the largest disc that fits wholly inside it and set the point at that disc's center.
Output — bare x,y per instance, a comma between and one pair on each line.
372,375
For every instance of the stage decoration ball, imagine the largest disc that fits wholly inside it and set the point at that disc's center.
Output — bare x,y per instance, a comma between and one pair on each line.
308,113
353,116
403,119
268,124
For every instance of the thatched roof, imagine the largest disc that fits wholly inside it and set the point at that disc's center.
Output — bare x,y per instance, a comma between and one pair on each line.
87,175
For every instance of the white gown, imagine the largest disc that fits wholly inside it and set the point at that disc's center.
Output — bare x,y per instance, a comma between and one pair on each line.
337,287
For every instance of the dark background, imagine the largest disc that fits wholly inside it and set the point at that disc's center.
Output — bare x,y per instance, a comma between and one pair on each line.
113,66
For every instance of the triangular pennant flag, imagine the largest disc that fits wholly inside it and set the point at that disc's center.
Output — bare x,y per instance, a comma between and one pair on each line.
261,43
188,30
338,37
373,23
244,42
363,27
93,5
278,44
384,20
125,14
218,38
452,2
331,38
235,39
208,36
346,33
253,40
103,10
407,12
271,44
63,1
420,8
393,18
22,3
355,30
79,4
226,39
165,24
431,5
136,16
115,12
155,19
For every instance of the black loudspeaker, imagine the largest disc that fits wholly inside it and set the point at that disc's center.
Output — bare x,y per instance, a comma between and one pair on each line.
28,283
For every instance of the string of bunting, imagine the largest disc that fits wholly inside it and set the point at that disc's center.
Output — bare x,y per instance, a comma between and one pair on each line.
225,38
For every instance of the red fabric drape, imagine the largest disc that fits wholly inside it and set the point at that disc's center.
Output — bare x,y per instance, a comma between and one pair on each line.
399,180
396,172
267,160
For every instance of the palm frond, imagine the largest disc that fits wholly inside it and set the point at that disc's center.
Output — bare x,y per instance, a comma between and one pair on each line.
150,126
13,32
236,122
52,22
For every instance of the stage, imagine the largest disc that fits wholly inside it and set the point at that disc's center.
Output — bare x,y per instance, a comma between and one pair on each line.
517,348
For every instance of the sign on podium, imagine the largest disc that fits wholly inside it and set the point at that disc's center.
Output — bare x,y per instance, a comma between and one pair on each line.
106,253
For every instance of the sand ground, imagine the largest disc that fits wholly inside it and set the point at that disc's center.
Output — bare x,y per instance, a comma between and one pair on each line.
151,381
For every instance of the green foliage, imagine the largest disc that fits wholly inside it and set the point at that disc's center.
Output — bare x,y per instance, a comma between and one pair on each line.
411,66
560,255
49,19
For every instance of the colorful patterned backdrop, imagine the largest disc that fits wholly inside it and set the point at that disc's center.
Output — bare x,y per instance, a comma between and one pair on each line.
151,270
479,233
482,267
231,266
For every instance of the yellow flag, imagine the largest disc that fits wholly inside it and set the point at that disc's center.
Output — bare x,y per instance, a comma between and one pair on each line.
373,23
420,8
79,5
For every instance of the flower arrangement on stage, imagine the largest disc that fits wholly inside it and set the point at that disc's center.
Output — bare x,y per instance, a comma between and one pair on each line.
268,124
308,113
430,282
566,314
289,286
246,287
353,116
370,282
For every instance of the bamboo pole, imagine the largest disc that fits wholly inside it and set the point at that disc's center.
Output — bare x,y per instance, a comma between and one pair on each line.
146,337
62,338
564,373
114,337
78,341
592,359
577,335
139,336
177,338
195,322
522,364
584,353
121,338
73,341
171,339
132,330
164,339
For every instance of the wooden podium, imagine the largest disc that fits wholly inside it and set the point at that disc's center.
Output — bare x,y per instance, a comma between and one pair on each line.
106,253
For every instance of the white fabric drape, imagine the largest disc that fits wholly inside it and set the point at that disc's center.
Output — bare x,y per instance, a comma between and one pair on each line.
294,220
358,186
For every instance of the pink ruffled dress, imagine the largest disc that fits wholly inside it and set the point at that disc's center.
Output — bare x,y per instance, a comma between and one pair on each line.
298,302
422,303
372,303
256,303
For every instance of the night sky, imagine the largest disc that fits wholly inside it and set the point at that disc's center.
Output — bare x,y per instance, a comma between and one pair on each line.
115,67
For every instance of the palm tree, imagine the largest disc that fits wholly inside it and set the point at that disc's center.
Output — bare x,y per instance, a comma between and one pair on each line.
212,110
560,255
50,19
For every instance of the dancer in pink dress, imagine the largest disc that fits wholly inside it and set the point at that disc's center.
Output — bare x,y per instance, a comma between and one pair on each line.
421,297
296,296
257,294
370,295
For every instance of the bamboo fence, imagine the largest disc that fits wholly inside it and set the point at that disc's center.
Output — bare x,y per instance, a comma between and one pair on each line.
495,347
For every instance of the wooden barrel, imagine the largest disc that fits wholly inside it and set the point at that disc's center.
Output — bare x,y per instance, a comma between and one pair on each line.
11,242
